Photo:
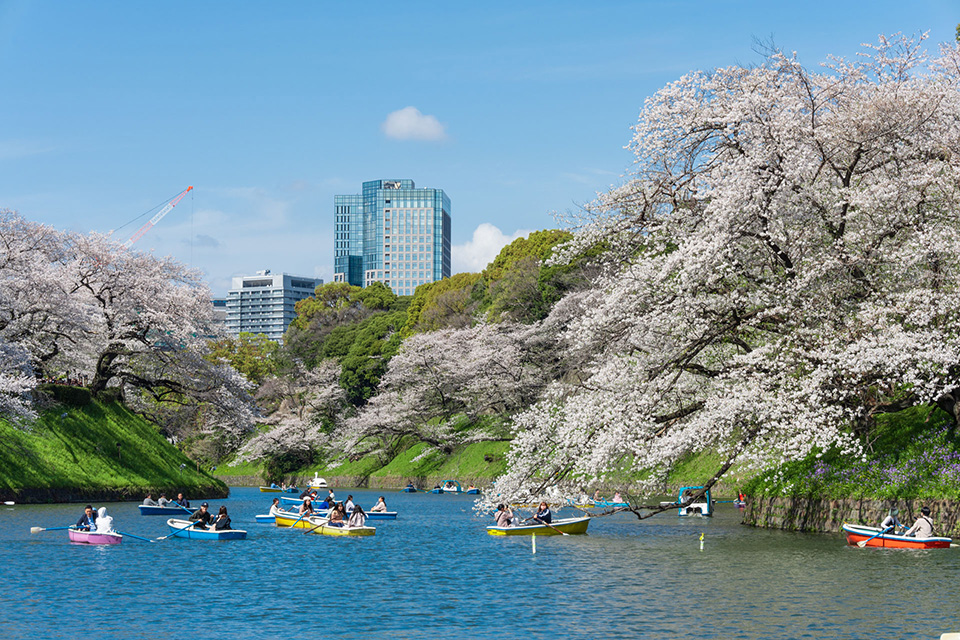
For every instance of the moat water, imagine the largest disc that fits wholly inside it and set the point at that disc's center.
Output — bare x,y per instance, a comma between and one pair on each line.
434,573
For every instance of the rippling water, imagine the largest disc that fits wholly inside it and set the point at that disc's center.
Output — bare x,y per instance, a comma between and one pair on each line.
435,573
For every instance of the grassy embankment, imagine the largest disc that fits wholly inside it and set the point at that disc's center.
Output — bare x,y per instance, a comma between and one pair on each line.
477,462
913,455
71,454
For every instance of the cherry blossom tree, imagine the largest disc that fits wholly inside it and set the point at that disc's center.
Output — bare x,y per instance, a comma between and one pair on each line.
16,382
782,267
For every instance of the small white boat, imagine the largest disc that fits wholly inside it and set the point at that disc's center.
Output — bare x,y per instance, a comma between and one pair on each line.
316,482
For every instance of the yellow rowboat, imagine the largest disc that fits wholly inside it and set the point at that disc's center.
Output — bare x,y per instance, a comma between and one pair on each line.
328,530
569,525
291,520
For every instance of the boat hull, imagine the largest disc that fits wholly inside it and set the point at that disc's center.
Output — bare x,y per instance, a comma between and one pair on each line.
265,518
328,530
409,490
176,528
603,504
571,526
150,510
857,533
472,492
271,490
92,537
293,520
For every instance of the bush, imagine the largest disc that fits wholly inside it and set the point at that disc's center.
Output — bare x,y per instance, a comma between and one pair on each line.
69,396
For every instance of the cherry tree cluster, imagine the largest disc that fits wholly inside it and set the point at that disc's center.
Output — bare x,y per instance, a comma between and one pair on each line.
83,306
782,267
441,378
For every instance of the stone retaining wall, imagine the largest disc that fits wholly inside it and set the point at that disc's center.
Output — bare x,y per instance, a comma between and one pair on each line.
82,494
821,515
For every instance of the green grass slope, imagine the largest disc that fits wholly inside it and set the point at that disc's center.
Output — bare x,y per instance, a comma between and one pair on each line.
71,454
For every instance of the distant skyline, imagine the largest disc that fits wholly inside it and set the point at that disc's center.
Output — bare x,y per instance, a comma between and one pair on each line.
515,111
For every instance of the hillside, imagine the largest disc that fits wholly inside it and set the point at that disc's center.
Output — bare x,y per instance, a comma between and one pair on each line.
94,452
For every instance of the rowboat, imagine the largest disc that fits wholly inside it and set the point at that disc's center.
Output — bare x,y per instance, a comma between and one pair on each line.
702,507
178,531
381,515
151,510
473,491
287,519
856,533
330,530
93,537
409,489
569,525
279,490
264,518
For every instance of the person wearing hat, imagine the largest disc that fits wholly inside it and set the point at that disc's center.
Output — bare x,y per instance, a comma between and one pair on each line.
891,521
202,517
923,527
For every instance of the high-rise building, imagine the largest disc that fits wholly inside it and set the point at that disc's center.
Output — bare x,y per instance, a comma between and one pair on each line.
392,233
264,303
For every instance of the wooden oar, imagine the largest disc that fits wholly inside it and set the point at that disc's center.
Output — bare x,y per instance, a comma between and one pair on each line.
130,535
863,543
178,530
547,524
39,529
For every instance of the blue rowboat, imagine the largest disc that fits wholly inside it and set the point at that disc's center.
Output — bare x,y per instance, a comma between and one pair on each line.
603,504
409,489
371,515
473,491
265,518
178,531
150,510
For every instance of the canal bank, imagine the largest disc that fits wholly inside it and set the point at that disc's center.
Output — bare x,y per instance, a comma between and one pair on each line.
812,514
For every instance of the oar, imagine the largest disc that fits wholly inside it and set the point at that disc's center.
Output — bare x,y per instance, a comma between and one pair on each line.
178,530
863,543
39,529
130,535
547,524
183,507
322,522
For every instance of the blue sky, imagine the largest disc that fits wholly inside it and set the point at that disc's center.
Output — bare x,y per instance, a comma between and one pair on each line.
516,110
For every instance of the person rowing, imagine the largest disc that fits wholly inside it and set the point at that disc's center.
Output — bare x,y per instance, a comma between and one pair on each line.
201,518
543,515
275,508
891,521
88,521
183,502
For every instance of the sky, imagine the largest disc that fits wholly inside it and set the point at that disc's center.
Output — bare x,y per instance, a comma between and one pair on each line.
519,111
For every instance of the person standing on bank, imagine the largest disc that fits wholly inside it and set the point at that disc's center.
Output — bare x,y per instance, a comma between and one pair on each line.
923,527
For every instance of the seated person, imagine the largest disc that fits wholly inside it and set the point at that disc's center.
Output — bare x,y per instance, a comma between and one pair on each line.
337,515
348,505
306,509
162,500
891,521
923,527
305,492
201,517
104,522
149,501
222,521
616,497
183,502
504,516
323,506
380,506
273,485
357,518
275,507
88,521
543,515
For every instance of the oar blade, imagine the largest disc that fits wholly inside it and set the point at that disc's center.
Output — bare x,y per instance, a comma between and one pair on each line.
36,529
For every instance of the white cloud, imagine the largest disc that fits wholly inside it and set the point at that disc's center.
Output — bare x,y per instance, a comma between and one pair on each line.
475,254
409,124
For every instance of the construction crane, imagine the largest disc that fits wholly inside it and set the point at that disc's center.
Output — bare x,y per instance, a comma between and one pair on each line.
158,217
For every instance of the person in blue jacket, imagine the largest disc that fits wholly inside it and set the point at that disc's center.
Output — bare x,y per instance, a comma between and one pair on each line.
88,521
543,514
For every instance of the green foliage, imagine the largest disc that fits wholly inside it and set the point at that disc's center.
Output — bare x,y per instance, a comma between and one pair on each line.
337,302
374,342
69,396
914,454
442,304
276,467
253,355
78,448
538,245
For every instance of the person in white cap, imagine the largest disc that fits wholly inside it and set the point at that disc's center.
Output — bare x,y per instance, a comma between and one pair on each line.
104,522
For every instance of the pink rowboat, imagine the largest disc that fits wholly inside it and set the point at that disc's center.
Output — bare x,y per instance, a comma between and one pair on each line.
92,537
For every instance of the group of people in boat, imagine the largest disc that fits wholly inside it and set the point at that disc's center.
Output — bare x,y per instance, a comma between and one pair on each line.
338,514
95,520
922,528
163,501
506,518
203,518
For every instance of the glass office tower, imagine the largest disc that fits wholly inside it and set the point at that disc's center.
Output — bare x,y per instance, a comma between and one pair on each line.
392,233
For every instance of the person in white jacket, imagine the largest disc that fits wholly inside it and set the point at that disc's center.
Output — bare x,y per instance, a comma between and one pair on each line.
104,522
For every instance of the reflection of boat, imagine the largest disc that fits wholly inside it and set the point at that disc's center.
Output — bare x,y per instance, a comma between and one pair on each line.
856,533
151,510
192,533
703,506
93,537
570,525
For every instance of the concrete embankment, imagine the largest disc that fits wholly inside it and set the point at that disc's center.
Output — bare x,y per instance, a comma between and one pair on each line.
822,515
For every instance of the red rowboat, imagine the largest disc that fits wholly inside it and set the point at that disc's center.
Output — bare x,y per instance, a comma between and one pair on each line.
92,537
856,533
